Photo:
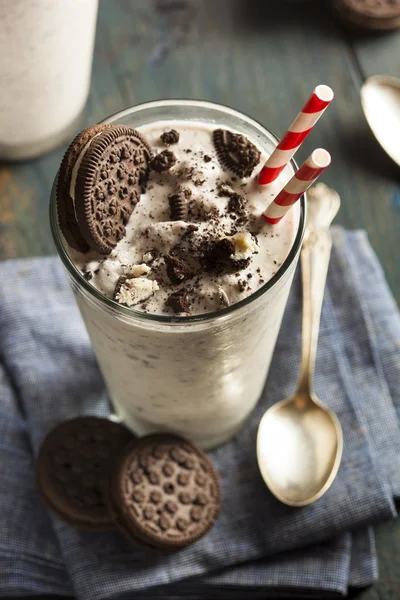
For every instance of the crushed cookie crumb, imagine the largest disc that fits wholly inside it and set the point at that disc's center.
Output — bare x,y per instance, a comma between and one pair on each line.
187,192
179,301
134,290
164,161
177,271
170,137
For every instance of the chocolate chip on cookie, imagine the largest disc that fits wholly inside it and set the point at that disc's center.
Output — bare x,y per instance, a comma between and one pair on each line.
235,152
171,504
72,470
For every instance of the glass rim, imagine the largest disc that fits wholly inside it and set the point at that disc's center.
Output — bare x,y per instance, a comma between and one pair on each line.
176,320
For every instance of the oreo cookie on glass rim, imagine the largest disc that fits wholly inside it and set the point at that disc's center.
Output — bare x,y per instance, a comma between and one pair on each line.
165,493
101,177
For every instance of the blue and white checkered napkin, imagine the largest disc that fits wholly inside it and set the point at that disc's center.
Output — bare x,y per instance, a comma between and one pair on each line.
258,547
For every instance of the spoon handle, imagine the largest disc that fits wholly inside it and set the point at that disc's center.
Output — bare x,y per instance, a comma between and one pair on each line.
315,256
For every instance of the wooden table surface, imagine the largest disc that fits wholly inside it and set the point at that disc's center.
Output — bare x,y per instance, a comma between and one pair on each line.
263,58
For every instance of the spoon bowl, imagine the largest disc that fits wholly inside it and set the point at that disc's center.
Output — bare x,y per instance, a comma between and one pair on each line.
299,449
299,439
380,99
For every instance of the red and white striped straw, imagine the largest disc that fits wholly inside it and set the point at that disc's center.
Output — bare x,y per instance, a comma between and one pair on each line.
315,106
309,172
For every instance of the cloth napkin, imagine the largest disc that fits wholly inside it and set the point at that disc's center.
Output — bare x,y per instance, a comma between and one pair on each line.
259,547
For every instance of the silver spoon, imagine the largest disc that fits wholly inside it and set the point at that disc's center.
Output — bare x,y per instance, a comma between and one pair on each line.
380,99
300,440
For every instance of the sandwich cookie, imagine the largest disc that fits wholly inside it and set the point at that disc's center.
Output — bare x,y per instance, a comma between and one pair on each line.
166,492
72,470
101,177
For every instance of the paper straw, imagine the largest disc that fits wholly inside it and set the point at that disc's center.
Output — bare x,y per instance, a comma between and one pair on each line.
315,106
308,173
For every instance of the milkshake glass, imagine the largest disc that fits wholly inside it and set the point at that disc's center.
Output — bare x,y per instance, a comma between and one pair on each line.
197,376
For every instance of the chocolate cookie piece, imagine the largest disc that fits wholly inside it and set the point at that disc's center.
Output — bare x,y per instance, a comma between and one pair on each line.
178,206
224,189
170,137
166,493
237,205
130,290
369,14
219,256
177,271
235,152
163,162
65,203
179,301
222,249
113,172
72,470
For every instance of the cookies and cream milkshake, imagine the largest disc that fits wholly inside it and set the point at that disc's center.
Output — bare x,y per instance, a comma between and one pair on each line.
180,281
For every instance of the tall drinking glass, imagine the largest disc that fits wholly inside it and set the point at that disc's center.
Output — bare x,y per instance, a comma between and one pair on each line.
198,376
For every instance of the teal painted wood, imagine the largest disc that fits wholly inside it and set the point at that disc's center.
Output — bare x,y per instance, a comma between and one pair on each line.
263,58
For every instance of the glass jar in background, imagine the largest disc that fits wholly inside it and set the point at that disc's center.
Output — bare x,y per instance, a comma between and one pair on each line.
46,50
